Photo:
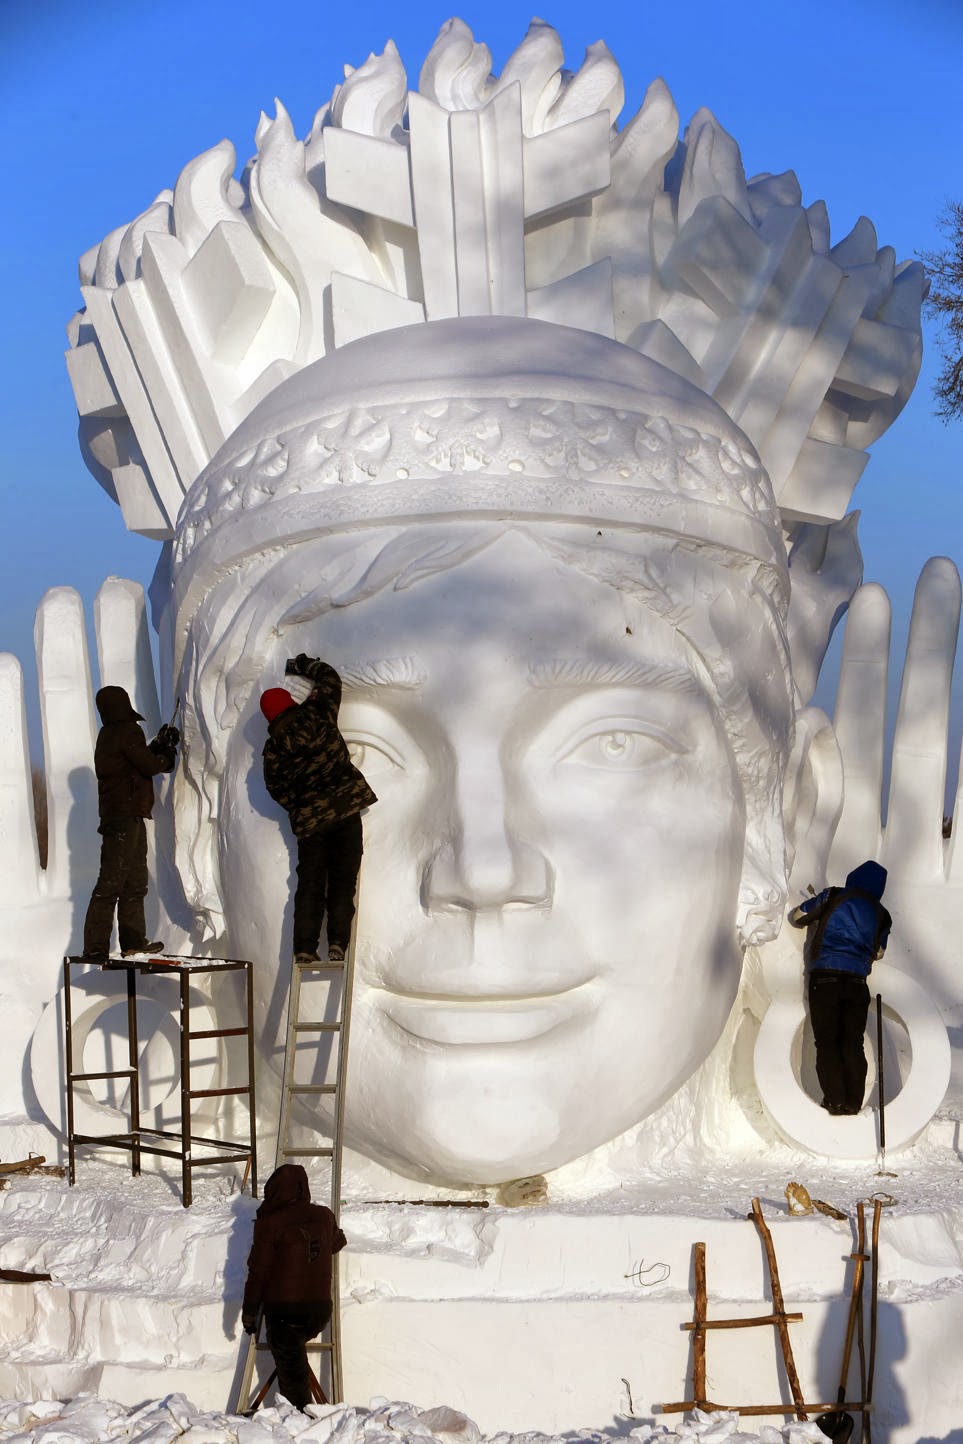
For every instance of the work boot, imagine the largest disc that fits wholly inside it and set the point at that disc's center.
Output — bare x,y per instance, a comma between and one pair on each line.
305,957
144,948
335,953
96,955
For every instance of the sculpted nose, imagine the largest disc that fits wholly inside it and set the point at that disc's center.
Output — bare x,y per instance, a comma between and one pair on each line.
482,864
467,880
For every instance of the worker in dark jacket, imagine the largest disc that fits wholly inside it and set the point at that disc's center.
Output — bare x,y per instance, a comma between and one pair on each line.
289,1275
307,770
849,930
125,765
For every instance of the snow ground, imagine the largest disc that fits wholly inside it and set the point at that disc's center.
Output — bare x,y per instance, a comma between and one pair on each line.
144,1275
88,1419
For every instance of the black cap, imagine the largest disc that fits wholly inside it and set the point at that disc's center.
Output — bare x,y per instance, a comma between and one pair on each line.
114,705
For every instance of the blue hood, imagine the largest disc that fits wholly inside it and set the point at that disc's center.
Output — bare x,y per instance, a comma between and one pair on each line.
868,877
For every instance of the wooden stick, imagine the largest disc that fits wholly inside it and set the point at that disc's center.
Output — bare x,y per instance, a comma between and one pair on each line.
779,1309
261,1395
709,1408
420,1202
860,1319
744,1323
855,1301
699,1325
873,1301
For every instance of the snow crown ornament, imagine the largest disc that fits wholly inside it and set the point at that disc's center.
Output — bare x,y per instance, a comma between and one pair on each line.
481,195
486,417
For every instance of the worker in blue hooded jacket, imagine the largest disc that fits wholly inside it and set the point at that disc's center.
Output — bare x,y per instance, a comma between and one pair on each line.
849,928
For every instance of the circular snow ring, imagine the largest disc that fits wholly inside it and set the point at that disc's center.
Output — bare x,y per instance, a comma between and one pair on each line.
803,1122
155,1024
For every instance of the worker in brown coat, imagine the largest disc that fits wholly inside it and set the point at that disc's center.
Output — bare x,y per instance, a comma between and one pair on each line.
289,1275
125,764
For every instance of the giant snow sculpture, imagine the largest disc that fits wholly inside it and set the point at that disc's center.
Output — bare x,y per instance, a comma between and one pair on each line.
544,434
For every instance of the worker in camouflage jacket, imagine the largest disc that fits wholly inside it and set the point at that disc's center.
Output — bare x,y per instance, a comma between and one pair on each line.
289,1273
307,769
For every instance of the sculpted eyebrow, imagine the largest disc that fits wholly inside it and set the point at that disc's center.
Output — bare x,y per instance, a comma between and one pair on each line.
383,672
580,672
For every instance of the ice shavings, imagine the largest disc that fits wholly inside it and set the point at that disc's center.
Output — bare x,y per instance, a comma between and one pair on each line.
88,1419
129,1238
453,1234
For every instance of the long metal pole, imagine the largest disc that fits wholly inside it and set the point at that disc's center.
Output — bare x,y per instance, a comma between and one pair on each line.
133,1056
251,1089
879,1078
68,1034
187,1121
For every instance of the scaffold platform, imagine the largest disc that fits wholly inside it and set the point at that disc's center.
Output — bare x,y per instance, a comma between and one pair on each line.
182,1142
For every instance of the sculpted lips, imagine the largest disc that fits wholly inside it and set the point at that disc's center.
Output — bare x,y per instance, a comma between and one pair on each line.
464,1021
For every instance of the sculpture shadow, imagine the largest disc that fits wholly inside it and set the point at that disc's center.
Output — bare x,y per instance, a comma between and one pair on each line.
238,1247
261,802
166,881
82,842
889,1402
82,854
621,1427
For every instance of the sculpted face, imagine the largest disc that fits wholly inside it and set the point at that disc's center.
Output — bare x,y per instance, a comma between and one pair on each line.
546,942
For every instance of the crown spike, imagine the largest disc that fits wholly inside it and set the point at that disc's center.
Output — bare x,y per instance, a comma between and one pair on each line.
501,196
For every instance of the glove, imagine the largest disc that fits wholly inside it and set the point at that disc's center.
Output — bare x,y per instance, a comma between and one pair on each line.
168,736
249,1323
299,666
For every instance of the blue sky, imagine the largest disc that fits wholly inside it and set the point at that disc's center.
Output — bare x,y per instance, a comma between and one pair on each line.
102,105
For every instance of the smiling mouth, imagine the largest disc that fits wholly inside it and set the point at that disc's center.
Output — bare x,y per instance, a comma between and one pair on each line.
483,1021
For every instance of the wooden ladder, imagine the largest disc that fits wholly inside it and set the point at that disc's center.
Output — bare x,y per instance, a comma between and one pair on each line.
326,1025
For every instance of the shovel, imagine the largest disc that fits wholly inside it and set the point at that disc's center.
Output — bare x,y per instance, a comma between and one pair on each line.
838,1425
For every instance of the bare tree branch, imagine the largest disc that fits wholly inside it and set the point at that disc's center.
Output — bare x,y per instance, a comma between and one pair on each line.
945,305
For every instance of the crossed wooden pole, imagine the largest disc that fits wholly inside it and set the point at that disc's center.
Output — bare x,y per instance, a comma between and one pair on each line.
780,1320
317,1393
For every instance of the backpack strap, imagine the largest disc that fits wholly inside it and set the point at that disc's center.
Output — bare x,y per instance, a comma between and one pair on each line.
884,925
836,896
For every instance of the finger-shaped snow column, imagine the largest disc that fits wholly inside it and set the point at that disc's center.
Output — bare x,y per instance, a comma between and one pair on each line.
913,845
123,646
67,713
860,726
19,855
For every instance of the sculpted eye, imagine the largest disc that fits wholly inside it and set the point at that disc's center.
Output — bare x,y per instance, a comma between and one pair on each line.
619,745
372,755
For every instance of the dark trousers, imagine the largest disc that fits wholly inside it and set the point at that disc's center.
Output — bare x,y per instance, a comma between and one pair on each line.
838,1006
121,886
289,1327
328,864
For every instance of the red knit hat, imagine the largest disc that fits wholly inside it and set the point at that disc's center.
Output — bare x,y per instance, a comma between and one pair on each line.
275,701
